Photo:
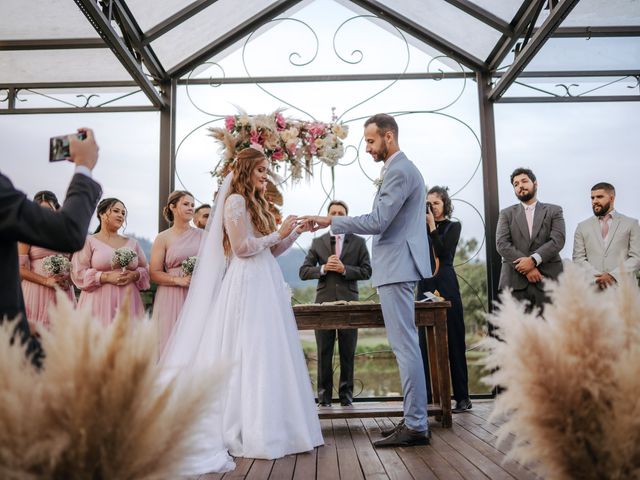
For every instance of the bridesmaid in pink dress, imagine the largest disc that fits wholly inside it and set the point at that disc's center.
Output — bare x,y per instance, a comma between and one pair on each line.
38,286
103,286
169,250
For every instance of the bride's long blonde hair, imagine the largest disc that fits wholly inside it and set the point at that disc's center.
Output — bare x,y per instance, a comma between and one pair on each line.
242,184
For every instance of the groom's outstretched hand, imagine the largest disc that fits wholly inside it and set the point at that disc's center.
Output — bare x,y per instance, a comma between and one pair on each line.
316,222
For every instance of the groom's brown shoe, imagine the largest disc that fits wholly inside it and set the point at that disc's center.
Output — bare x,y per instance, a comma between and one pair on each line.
388,431
405,437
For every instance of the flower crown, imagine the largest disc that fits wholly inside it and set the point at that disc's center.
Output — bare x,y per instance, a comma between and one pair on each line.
284,141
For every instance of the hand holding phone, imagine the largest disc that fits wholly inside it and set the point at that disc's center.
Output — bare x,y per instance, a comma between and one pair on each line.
59,146
79,148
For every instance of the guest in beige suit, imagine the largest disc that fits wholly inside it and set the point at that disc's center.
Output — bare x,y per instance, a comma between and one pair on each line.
607,244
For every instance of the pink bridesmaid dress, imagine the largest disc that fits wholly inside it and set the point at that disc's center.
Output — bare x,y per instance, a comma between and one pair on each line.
169,299
37,298
104,299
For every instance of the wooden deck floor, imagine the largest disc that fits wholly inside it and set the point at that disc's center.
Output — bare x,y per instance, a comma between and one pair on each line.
466,451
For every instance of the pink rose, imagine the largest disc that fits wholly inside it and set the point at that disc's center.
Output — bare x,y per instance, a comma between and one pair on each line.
281,123
257,146
254,137
278,154
230,123
316,129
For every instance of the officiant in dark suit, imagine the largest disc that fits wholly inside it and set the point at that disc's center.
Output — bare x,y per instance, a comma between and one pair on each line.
338,262
64,230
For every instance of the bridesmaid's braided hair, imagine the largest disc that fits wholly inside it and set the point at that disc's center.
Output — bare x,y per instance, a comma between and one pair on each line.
174,198
257,205
104,206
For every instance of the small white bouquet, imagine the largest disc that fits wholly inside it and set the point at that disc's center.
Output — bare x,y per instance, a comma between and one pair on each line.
122,257
56,265
189,265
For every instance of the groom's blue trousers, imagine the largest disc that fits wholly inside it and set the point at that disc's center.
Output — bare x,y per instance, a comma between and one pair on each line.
398,310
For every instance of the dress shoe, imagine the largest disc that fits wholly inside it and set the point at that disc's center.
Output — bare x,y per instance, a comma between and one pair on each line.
388,431
404,437
324,404
462,406
346,403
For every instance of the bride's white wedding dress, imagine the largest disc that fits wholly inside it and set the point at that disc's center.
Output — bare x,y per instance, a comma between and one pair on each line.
267,408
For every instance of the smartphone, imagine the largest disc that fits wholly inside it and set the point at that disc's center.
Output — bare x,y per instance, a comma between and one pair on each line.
59,146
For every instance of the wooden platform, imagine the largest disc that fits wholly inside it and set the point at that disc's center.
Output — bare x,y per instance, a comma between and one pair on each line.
465,451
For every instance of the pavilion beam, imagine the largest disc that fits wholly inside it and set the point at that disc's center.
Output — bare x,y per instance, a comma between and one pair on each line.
134,34
167,171
490,184
418,31
129,62
57,110
483,15
176,19
583,99
69,85
52,44
592,32
526,14
555,18
231,37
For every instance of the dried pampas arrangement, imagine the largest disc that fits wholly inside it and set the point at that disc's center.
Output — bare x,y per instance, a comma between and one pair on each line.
99,408
571,380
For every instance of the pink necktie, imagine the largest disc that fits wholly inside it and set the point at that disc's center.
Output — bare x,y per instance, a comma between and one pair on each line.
605,225
338,245
528,211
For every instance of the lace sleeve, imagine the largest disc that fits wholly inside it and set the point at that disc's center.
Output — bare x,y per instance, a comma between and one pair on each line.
240,230
283,245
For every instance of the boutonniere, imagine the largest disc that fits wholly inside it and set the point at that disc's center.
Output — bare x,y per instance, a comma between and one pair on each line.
378,182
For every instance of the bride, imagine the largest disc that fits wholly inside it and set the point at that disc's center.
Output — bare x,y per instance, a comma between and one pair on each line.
238,314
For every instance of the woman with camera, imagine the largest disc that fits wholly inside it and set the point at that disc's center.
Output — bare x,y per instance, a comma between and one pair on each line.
42,271
170,266
110,266
444,235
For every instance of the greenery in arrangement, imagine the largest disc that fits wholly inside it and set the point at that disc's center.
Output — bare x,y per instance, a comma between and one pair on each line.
122,257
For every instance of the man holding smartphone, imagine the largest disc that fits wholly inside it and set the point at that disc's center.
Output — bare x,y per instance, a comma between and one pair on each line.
65,230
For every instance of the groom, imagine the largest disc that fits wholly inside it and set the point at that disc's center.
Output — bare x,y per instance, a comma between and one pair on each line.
400,258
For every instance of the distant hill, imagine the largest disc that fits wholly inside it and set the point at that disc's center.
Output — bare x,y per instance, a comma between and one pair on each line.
290,264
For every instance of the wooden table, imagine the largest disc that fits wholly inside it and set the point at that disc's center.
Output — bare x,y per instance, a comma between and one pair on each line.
433,316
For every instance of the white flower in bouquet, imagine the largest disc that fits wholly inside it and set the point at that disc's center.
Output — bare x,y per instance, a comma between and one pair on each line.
340,130
123,257
56,265
189,265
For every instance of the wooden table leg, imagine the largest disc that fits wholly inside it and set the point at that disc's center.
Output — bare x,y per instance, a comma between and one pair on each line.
442,348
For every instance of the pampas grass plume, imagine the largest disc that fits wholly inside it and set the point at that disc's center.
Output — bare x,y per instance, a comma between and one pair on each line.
100,408
571,381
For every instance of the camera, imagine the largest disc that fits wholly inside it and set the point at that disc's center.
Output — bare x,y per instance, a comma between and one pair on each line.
59,146
429,207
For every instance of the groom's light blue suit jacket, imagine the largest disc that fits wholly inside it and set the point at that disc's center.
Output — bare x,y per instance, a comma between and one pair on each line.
398,225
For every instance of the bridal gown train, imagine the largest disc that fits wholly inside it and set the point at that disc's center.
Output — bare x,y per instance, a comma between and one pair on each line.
267,409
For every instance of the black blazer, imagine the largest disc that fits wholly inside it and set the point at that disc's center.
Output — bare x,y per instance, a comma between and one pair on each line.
22,220
336,286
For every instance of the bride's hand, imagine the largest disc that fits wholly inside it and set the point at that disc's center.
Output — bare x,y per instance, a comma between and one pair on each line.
304,226
287,226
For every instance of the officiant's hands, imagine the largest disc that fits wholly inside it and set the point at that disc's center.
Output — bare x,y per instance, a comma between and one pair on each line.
334,265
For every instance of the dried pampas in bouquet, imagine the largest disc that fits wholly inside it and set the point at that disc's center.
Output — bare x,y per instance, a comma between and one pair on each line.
99,409
571,380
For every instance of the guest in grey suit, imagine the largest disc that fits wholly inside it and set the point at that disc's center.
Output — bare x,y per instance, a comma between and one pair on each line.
608,240
338,262
400,258
64,230
529,237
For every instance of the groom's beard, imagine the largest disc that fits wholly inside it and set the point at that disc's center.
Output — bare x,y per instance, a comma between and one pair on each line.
382,154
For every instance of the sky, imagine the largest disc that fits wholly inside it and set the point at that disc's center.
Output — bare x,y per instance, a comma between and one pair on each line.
570,147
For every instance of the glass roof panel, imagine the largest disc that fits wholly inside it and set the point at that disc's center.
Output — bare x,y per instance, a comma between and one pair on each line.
31,66
450,23
43,19
151,13
505,9
204,28
597,53
600,13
